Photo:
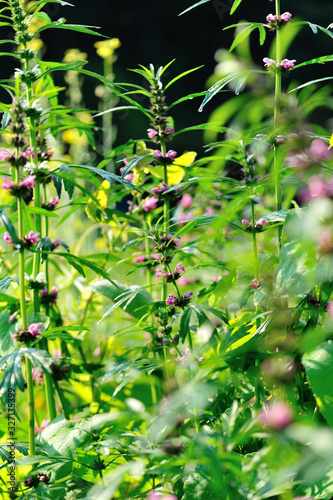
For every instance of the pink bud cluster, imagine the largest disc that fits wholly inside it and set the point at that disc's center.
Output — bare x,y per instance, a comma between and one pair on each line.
150,203
31,239
168,158
258,225
29,335
49,298
277,416
275,21
172,300
284,66
22,189
128,177
156,135
52,204
172,276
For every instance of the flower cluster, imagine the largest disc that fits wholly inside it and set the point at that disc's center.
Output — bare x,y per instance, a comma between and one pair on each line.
161,189
150,203
186,356
157,135
35,283
163,243
47,298
275,21
172,300
258,225
166,159
29,335
33,481
255,284
38,376
23,190
31,239
52,204
171,276
284,66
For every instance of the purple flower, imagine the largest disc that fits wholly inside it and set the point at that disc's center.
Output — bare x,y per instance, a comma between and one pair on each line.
286,16
11,318
171,154
54,201
8,184
152,133
29,152
159,190
179,269
187,295
171,300
157,154
287,63
139,259
44,292
150,203
43,425
29,181
8,238
160,272
268,62
246,223
169,130
35,329
32,238
271,17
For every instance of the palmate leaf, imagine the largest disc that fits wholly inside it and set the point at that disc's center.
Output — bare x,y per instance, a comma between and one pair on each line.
12,370
133,299
5,282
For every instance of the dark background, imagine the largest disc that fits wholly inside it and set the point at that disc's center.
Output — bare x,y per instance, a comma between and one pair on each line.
152,32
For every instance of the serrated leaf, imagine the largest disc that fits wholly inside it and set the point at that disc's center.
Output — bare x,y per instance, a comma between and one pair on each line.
5,282
133,299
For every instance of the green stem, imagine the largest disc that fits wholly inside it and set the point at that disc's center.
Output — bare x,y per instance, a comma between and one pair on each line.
277,104
23,309
257,389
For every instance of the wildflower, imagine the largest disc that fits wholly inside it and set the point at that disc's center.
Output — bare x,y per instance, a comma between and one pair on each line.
17,73
283,66
6,155
287,63
38,375
29,182
172,300
275,21
106,48
8,238
286,16
49,298
168,158
36,69
97,351
268,62
255,284
160,190
186,200
31,239
172,276
8,184
138,259
128,177
152,133
150,203
276,416
12,317
52,204
29,335
43,425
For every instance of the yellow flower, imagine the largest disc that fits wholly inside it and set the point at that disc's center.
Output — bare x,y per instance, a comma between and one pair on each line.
106,48
73,55
35,44
331,142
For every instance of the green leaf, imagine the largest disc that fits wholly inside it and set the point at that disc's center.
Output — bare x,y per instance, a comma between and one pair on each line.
235,5
115,478
181,76
314,28
242,35
78,262
184,324
193,6
133,299
41,211
9,226
69,188
109,176
219,86
275,217
312,82
6,117
6,332
60,23
5,282
316,60
318,366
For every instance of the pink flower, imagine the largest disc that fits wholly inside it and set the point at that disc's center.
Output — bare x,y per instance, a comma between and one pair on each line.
150,203
8,184
268,62
54,201
97,351
186,200
43,425
152,495
171,154
29,181
138,259
33,237
271,17
286,16
160,272
29,152
157,154
287,64
276,416
57,353
319,150
255,284
35,329
179,268
246,223
11,318
38,375
152,133
128,177
169,130
172,299
4,154
7,238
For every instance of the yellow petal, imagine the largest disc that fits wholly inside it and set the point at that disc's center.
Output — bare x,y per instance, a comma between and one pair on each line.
185,160
94,210
331,142
175,174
